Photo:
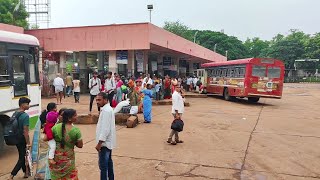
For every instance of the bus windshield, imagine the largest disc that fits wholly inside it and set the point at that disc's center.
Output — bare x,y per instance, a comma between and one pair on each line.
274,72
259,71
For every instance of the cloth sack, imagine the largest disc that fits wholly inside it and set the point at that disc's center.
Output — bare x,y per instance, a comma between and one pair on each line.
120,105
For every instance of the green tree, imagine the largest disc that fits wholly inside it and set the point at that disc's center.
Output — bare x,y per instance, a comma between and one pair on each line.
221,43
313,47
256,47
288,48
179,29
14,13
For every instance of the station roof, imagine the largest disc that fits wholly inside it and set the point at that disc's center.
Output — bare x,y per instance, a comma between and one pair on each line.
138,36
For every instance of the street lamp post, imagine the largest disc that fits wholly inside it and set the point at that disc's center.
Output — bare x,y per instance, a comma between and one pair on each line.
194,37
150,8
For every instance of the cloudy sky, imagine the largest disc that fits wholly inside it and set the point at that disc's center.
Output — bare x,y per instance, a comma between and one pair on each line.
240,18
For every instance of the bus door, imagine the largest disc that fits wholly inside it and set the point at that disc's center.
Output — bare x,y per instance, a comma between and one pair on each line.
18,62
200,75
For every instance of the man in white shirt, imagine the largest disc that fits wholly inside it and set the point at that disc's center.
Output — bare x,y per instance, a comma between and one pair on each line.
189,81
177,111
147,80
58,84
105,137
195,80
95,88
110,86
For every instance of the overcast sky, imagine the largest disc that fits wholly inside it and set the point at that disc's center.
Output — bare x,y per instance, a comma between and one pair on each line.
240,18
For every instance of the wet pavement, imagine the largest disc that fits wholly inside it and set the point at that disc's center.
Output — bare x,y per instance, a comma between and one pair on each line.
273,139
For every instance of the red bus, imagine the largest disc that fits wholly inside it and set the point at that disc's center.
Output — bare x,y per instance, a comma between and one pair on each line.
250,78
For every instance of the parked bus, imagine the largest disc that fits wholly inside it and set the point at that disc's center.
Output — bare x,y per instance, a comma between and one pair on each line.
19,76
250,78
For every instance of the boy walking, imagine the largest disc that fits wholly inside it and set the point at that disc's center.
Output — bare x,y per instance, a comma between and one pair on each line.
177,111
95,87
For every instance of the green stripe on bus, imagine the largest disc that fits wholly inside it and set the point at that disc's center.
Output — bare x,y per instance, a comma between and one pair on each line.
32,122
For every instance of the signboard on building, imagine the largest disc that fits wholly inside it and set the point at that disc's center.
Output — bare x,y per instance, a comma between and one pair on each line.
139,59
166,61
122,57
196,65
154,65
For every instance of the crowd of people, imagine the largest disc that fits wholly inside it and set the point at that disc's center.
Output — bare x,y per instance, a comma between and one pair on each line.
117,86
63,136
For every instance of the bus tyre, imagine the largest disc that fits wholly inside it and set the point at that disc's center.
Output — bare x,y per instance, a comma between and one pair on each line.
226,95
253,99
1,137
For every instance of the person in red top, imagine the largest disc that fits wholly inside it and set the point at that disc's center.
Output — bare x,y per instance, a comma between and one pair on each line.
52,118
167,92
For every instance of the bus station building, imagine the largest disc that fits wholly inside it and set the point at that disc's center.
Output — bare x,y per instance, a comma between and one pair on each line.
127,49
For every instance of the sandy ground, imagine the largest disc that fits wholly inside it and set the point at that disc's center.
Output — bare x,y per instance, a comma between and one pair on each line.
274,139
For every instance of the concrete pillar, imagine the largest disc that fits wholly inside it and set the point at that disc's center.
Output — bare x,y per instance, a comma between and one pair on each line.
146,61
113,66
131,59
82,60
101,61
83,74
62,65
160,61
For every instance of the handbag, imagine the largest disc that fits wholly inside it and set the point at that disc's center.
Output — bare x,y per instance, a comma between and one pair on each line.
126,109
114,102
177,125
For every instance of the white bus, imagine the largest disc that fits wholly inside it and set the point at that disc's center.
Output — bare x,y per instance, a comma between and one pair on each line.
19,76
202,76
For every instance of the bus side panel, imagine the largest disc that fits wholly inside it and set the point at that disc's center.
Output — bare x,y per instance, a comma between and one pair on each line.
247,83
6,98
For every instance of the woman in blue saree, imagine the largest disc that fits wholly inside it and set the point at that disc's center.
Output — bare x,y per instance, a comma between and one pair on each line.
147,103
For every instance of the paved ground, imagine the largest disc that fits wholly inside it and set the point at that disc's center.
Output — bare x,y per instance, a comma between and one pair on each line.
274,139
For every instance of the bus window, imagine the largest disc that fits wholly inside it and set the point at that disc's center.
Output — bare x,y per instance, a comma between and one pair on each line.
19,76
228,72
3,49
273,72
213,74
259,71
231,72
4,76
224,73
236,72
242,72
32,69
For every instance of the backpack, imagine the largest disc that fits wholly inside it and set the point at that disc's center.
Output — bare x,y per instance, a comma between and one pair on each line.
198,82
12,134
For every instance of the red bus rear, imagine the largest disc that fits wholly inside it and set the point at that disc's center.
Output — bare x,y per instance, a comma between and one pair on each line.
251,78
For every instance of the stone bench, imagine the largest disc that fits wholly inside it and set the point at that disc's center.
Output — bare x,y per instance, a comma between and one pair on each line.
121,118
167,102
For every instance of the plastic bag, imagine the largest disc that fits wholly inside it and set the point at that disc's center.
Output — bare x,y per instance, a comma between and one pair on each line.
134,110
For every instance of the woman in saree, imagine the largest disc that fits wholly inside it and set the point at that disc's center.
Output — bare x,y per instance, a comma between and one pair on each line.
66,136
167,92
138,89
147,103
119,83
